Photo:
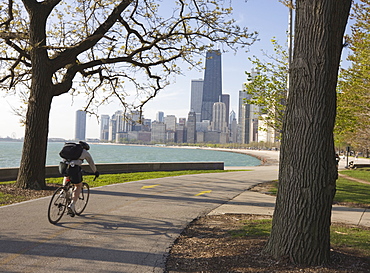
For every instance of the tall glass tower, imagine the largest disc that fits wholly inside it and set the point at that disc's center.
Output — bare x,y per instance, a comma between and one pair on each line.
104,127
80,132
196,98
212,85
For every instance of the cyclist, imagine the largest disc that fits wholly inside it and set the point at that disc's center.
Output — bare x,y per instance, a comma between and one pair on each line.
75,174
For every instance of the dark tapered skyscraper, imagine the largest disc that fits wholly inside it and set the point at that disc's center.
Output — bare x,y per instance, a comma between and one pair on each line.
212,85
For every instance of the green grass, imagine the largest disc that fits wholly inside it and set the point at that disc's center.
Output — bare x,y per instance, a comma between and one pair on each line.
108,179
352,237
362,173
4,198
352,192
255,228
348,191
355,238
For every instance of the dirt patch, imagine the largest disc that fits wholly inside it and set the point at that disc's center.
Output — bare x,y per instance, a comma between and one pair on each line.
14,195
207,245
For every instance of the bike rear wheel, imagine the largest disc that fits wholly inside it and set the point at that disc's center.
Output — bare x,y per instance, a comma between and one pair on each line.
83,199
57,205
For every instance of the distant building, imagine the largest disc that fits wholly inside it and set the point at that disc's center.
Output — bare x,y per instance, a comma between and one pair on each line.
196,97
182,121
254,122
158,132
242,97
266,134
233,131
170,121
212,86
219,123
245,124
203,126
104,127
225,98
147,125
112,129
232,116
135,121
191,128
160,116
80,131
181,133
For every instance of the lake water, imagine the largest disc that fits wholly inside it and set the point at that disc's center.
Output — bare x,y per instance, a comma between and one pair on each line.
10,154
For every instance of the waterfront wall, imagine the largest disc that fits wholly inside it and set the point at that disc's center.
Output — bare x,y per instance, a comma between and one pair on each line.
9,174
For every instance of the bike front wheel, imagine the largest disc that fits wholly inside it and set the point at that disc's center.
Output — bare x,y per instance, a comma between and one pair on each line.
83,199
57,205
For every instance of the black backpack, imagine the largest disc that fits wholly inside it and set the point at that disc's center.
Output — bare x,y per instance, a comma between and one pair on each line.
71,151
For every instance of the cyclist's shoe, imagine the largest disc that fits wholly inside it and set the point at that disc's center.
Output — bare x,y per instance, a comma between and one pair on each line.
71,210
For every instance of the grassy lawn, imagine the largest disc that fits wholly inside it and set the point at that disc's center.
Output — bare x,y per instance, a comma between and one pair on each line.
348,191
352,192
108,179
362,173
105,179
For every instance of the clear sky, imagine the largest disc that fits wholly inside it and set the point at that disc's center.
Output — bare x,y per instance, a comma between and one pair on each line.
268,17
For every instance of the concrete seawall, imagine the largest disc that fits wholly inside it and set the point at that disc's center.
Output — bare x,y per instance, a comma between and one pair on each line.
9,174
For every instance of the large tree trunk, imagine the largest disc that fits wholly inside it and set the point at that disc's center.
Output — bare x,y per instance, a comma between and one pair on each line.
307,175
32,169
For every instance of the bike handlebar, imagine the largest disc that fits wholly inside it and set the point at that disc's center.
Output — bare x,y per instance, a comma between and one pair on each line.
91,173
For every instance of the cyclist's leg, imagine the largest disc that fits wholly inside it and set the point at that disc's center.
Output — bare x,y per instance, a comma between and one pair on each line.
76,179
77,185
65,179
76,192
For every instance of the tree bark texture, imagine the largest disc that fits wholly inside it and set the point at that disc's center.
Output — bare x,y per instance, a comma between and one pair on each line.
307,174
32,168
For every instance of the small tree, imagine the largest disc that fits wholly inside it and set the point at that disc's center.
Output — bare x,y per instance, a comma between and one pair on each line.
103,49
307,172
353,119
267,87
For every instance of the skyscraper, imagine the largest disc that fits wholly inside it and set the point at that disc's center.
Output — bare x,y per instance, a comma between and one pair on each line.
191,124
170,121
104,127
245,124
242,97
212,85
80,132
196,97
158,132
232,117
225,98
160,116
219,123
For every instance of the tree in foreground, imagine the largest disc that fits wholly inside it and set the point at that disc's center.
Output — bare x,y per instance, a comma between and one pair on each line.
307,172
353,120
103,49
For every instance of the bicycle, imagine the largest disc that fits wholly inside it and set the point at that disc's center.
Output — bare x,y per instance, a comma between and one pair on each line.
62,197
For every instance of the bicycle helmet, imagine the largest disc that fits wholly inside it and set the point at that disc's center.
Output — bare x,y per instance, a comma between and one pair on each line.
84,145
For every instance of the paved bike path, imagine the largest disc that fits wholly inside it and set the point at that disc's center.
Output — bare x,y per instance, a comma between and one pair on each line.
125,228
128,228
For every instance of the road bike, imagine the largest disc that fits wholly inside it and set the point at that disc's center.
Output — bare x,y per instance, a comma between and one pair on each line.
62,198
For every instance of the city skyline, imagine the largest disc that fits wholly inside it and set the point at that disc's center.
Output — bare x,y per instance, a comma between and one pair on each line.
268,17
